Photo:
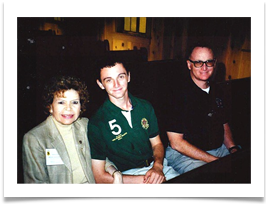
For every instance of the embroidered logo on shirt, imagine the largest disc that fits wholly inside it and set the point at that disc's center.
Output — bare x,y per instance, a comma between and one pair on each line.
144,123
119,137
219,103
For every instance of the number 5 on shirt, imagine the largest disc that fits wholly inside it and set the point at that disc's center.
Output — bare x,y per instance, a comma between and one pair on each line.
113,126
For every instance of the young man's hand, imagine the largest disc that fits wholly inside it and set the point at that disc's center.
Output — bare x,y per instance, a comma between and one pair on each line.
155,175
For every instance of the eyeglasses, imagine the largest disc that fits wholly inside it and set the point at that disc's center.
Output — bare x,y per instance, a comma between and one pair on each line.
198,64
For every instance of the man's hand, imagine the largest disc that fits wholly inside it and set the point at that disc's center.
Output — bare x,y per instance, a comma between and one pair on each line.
155,175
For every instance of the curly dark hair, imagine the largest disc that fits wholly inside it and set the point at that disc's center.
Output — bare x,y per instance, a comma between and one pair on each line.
58,85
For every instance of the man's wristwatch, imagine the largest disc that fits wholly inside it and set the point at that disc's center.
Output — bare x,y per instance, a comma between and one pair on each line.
237,147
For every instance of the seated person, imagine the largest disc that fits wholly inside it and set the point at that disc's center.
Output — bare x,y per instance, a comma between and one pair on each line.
57,150
125,130
197,126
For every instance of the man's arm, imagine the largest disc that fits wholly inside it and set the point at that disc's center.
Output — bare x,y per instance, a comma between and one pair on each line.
178,143
155,174
101,176
228,138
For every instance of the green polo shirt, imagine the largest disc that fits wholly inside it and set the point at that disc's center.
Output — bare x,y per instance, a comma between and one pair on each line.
110,134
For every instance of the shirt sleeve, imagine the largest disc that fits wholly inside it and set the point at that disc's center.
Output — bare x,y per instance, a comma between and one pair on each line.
34,161
175,114
97,146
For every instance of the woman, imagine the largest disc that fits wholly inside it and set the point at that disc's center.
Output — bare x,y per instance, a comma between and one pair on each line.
57,150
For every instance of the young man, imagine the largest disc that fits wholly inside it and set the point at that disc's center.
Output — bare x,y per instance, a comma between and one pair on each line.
125,130
197,126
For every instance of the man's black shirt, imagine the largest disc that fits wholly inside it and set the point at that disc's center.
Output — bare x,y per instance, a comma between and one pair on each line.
199,116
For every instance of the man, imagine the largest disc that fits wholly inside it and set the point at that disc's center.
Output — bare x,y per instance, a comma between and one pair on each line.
125,130
197,128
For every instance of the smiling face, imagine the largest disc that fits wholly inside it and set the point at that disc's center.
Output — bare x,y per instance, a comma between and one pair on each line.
66,106
115,81
202,74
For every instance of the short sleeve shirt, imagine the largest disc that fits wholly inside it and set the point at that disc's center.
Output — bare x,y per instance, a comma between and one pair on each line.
198,115
110,134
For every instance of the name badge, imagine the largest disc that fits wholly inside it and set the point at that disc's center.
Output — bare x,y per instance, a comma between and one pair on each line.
53,157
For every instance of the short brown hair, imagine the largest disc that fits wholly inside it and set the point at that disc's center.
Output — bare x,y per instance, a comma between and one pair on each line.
58,85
